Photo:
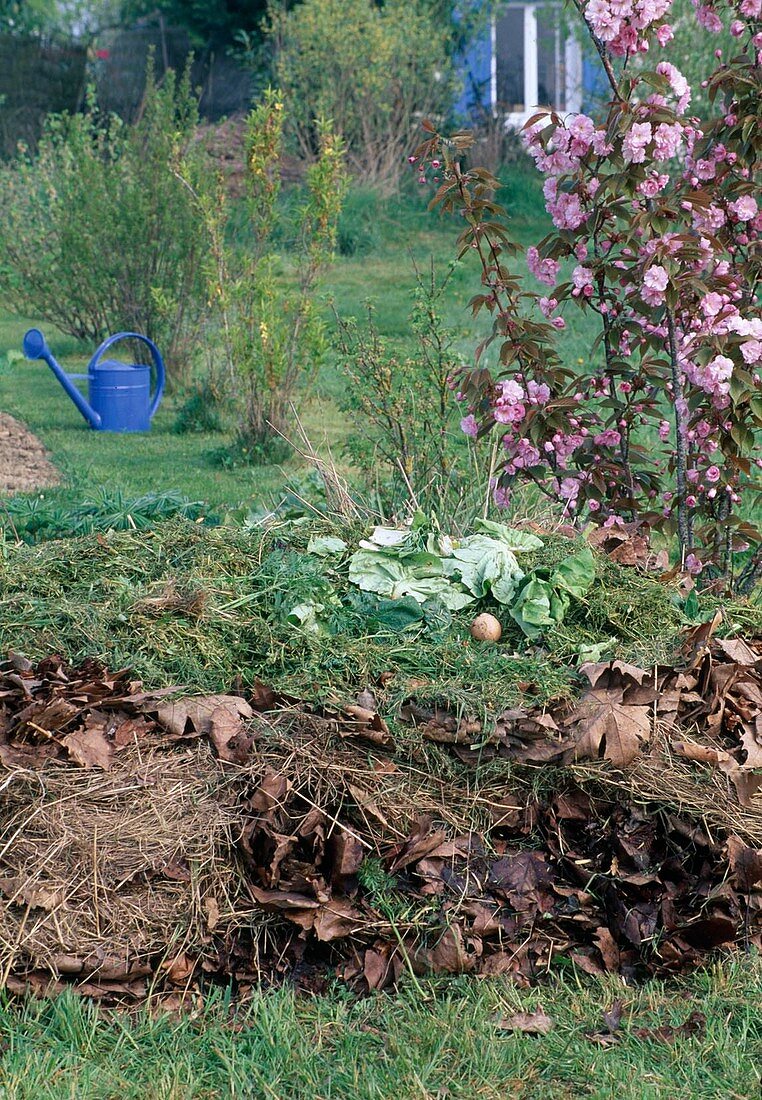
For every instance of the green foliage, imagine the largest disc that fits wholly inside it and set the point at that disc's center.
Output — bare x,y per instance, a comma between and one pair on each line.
53,516
211,24
97,234
545,597
405,440
27,16
372,69
272,335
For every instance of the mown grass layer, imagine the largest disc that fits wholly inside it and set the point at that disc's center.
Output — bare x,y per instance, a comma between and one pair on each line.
184,604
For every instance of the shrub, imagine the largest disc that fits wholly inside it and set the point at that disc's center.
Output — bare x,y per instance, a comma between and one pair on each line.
270,333
657,217
373,70
97,234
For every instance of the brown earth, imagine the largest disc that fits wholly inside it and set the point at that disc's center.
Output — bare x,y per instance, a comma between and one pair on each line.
24,464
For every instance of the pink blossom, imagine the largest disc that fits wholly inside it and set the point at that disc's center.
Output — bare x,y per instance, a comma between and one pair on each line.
582,278
668,140
635,142
655,282
712,474
652,185
664,34
544,270
569,489
566,211
708,18
609,438
752,352
538,393
469,426
547,306
751,8
693,565
677,83
745,208
509,405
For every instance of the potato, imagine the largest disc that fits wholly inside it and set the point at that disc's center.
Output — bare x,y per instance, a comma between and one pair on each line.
486,628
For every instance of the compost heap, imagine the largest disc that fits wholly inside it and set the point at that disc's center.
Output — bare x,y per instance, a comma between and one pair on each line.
153,843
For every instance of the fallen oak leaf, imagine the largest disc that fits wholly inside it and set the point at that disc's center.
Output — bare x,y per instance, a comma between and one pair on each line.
703,754
366,724
193,714
282,900
747,784
529,1023
745,863
89,748
221,718
668,1033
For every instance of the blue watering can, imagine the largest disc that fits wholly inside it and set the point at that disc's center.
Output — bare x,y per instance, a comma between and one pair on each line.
120,393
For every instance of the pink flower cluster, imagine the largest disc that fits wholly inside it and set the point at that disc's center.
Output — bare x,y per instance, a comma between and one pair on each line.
544,270
509,406
620,23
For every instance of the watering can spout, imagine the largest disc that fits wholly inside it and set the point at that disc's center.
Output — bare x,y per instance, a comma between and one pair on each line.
119,393
36,347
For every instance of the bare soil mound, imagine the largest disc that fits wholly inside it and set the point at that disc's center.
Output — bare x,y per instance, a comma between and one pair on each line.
24,464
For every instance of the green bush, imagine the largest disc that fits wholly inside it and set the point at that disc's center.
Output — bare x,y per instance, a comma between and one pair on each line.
98,234
202,410
373,70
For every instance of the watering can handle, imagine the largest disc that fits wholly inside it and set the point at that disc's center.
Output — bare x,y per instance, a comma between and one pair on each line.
158,362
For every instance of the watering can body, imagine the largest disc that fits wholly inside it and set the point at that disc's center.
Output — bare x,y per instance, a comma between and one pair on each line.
119,394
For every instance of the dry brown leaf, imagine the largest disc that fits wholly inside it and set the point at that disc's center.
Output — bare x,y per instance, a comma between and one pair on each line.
193,714
212,910
530,1023
603,726
179,969
750,742
737,650
336,919
449,955
745,863
607,946
704,754
284,900
89,748
231,737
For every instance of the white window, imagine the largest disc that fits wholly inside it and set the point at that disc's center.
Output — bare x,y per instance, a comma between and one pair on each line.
533,64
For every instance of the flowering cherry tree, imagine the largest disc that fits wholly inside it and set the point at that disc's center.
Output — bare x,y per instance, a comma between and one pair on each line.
656,231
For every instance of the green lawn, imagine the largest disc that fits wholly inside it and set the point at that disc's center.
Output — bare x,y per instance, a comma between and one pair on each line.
451,1043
